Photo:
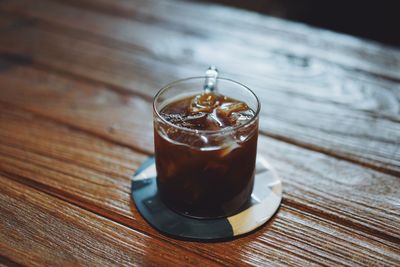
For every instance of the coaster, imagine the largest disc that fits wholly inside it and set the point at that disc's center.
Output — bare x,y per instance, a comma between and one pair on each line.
265,200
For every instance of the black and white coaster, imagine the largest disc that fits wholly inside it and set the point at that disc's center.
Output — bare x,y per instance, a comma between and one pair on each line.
265,200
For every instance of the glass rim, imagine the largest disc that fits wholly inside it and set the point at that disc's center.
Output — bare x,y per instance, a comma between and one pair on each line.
224,130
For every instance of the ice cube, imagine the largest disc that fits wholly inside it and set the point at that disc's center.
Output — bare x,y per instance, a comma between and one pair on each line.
195,121
203,103
239,118
213,122
227,108
231,144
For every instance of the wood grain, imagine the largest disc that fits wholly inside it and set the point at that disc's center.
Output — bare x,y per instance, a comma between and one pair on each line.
285,240
250,30
318,119
104,113
76,82
313,194
38,230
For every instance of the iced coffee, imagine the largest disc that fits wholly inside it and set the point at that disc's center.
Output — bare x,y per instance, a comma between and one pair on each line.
205,151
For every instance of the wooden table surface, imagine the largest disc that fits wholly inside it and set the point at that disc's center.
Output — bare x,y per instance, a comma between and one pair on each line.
77,79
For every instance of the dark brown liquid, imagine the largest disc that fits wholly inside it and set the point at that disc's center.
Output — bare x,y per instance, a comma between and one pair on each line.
211,181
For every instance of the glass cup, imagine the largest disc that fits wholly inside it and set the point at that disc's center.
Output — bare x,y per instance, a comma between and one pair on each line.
205,173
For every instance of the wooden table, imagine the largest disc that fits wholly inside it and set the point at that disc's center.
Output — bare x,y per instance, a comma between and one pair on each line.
77,79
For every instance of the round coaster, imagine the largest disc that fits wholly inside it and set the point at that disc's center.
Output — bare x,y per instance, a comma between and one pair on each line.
265,200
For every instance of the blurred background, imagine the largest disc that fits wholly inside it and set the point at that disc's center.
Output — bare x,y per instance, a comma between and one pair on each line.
375,20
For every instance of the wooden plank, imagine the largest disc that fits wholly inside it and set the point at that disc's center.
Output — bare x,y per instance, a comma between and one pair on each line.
322,120
38,230
317,223
103,113
249,29
197,46
77,107
294,236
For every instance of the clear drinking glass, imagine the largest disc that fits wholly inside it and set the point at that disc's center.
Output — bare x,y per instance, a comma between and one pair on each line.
205,173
